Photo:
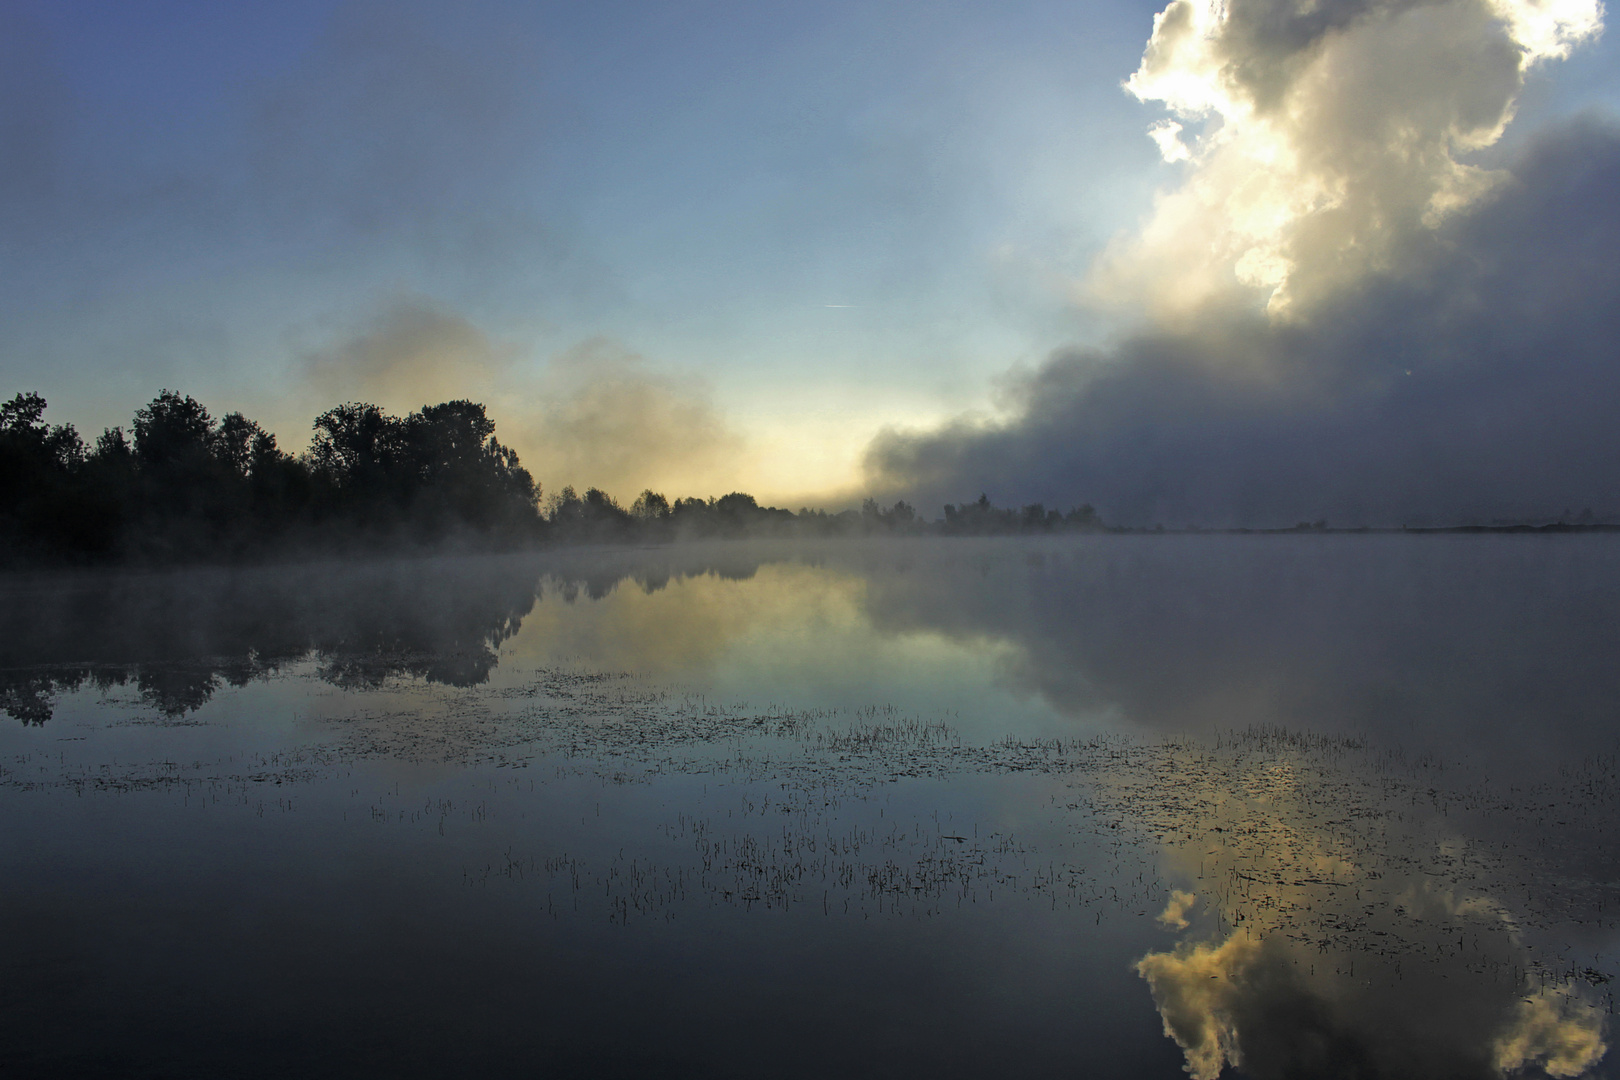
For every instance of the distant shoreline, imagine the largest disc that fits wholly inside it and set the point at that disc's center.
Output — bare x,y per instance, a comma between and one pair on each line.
187,489
1556,528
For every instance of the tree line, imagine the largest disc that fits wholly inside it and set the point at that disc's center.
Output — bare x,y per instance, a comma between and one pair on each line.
182,485
652,517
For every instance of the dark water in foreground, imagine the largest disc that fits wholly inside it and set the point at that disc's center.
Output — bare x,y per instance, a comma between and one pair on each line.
1114,806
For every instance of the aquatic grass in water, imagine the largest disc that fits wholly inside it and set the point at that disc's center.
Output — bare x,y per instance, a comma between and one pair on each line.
613,868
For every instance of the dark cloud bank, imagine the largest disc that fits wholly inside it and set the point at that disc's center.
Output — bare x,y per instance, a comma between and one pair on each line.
1478,383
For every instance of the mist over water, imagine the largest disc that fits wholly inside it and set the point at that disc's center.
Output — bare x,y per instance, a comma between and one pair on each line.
336,742
1097,805
1503,640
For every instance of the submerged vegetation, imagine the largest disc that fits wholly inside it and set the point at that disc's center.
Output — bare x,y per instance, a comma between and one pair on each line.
1317,898
1279,852
181,485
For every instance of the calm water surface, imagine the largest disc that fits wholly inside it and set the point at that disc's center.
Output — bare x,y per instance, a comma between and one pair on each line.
1114,806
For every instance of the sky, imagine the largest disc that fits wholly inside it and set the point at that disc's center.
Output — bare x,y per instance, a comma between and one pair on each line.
1239,263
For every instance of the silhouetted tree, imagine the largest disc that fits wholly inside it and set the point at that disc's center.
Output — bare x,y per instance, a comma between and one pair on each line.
45,508
650,506
1083,518
437,471
461,474
901,517
186,486
358,457
982,518
173,431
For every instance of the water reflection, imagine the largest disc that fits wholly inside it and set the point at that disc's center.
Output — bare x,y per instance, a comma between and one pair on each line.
1501,645
179,637
1245,1003
1349,914
1319,806
1447,640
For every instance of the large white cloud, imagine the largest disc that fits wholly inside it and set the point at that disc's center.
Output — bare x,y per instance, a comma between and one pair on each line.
1474,382
1345,314
1319,135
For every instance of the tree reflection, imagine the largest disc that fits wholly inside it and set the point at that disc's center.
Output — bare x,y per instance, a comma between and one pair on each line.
177,638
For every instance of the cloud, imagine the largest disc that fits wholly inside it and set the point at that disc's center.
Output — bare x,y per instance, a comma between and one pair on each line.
1471,380
1249,1003
597,415
1351,953
603,416
1556,1032
1197,989
1174,916
1328,132
1347,315
410,353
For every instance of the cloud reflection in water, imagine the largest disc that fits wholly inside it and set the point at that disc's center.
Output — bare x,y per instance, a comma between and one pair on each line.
1350,929
1373,771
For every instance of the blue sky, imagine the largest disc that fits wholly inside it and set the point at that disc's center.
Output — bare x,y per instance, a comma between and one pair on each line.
777,227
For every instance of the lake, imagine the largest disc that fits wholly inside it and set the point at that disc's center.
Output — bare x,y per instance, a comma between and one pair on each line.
1101,806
